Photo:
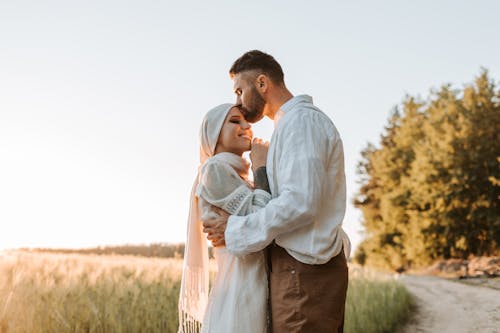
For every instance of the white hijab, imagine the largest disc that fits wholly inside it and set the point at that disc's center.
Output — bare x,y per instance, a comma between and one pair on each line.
193,297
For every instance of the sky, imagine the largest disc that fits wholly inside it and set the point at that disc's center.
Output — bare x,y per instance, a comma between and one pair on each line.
101,101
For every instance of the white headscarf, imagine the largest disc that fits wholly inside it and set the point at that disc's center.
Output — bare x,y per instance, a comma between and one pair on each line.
193,296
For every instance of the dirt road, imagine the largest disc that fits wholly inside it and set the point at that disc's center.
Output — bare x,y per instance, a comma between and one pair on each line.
446,306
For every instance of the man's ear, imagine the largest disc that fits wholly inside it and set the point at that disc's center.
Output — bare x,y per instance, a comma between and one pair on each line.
262,83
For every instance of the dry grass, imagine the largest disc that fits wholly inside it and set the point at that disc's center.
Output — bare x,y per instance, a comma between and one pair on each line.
90,293
78,293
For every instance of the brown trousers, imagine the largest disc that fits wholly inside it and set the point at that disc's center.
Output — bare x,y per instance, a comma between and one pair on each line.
306,298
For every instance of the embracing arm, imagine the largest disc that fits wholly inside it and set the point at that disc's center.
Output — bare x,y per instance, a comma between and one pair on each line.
300,175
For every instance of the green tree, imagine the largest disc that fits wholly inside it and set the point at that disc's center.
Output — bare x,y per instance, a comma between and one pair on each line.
431,189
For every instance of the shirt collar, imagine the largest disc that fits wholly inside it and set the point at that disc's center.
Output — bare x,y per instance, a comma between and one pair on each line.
289,105
278,116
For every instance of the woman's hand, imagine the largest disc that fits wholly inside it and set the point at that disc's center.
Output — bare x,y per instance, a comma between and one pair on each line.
258,154
215,227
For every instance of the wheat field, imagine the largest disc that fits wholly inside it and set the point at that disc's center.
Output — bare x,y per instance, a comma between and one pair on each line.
42,292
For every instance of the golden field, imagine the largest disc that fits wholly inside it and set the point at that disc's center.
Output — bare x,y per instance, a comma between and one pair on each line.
41,292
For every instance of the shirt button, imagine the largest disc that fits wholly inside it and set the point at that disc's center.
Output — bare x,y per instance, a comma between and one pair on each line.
293,271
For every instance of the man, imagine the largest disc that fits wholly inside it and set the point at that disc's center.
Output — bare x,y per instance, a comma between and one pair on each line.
301,225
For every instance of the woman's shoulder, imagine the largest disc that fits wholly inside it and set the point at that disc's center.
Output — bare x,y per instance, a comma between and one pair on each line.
215,171
216,165
217,179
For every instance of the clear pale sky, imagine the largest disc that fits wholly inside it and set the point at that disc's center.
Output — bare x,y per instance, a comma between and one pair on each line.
101,101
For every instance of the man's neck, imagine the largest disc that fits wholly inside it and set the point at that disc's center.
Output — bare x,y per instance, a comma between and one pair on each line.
276,101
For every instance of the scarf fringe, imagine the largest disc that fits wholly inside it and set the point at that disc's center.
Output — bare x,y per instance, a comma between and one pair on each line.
187,324
193,299
194,293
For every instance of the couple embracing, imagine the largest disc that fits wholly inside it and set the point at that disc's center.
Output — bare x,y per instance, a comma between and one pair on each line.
278,241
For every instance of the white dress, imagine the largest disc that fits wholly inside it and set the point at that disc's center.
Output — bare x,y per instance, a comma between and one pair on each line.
238,299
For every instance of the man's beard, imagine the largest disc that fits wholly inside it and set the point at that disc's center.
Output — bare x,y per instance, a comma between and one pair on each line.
254,111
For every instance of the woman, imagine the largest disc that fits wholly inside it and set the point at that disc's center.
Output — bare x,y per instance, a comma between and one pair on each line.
238,299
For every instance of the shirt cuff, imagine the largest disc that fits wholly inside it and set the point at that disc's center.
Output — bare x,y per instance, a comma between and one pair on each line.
261,198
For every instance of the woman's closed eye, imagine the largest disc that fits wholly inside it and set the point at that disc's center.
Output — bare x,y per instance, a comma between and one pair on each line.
236,120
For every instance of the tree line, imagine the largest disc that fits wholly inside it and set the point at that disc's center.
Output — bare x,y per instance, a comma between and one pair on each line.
431,189
157,250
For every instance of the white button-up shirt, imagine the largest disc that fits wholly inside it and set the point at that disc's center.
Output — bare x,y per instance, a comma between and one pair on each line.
305,168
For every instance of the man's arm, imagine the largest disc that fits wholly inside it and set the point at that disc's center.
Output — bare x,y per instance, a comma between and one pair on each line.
301,168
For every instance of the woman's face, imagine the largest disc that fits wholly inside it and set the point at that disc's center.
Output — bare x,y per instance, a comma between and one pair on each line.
235,135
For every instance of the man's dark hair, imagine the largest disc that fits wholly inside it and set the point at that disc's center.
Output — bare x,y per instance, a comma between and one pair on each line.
261,62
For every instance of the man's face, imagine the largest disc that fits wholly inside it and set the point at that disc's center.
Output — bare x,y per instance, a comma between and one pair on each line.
248,97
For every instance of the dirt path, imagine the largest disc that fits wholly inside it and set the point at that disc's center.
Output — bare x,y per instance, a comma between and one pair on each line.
446,306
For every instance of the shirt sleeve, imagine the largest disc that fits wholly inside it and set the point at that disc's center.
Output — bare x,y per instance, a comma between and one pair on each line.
221,186
302,153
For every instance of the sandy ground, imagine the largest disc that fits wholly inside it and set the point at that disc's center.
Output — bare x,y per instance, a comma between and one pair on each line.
446,306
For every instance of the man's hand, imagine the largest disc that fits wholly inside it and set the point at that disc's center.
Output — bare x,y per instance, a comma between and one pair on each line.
258,155
215,228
